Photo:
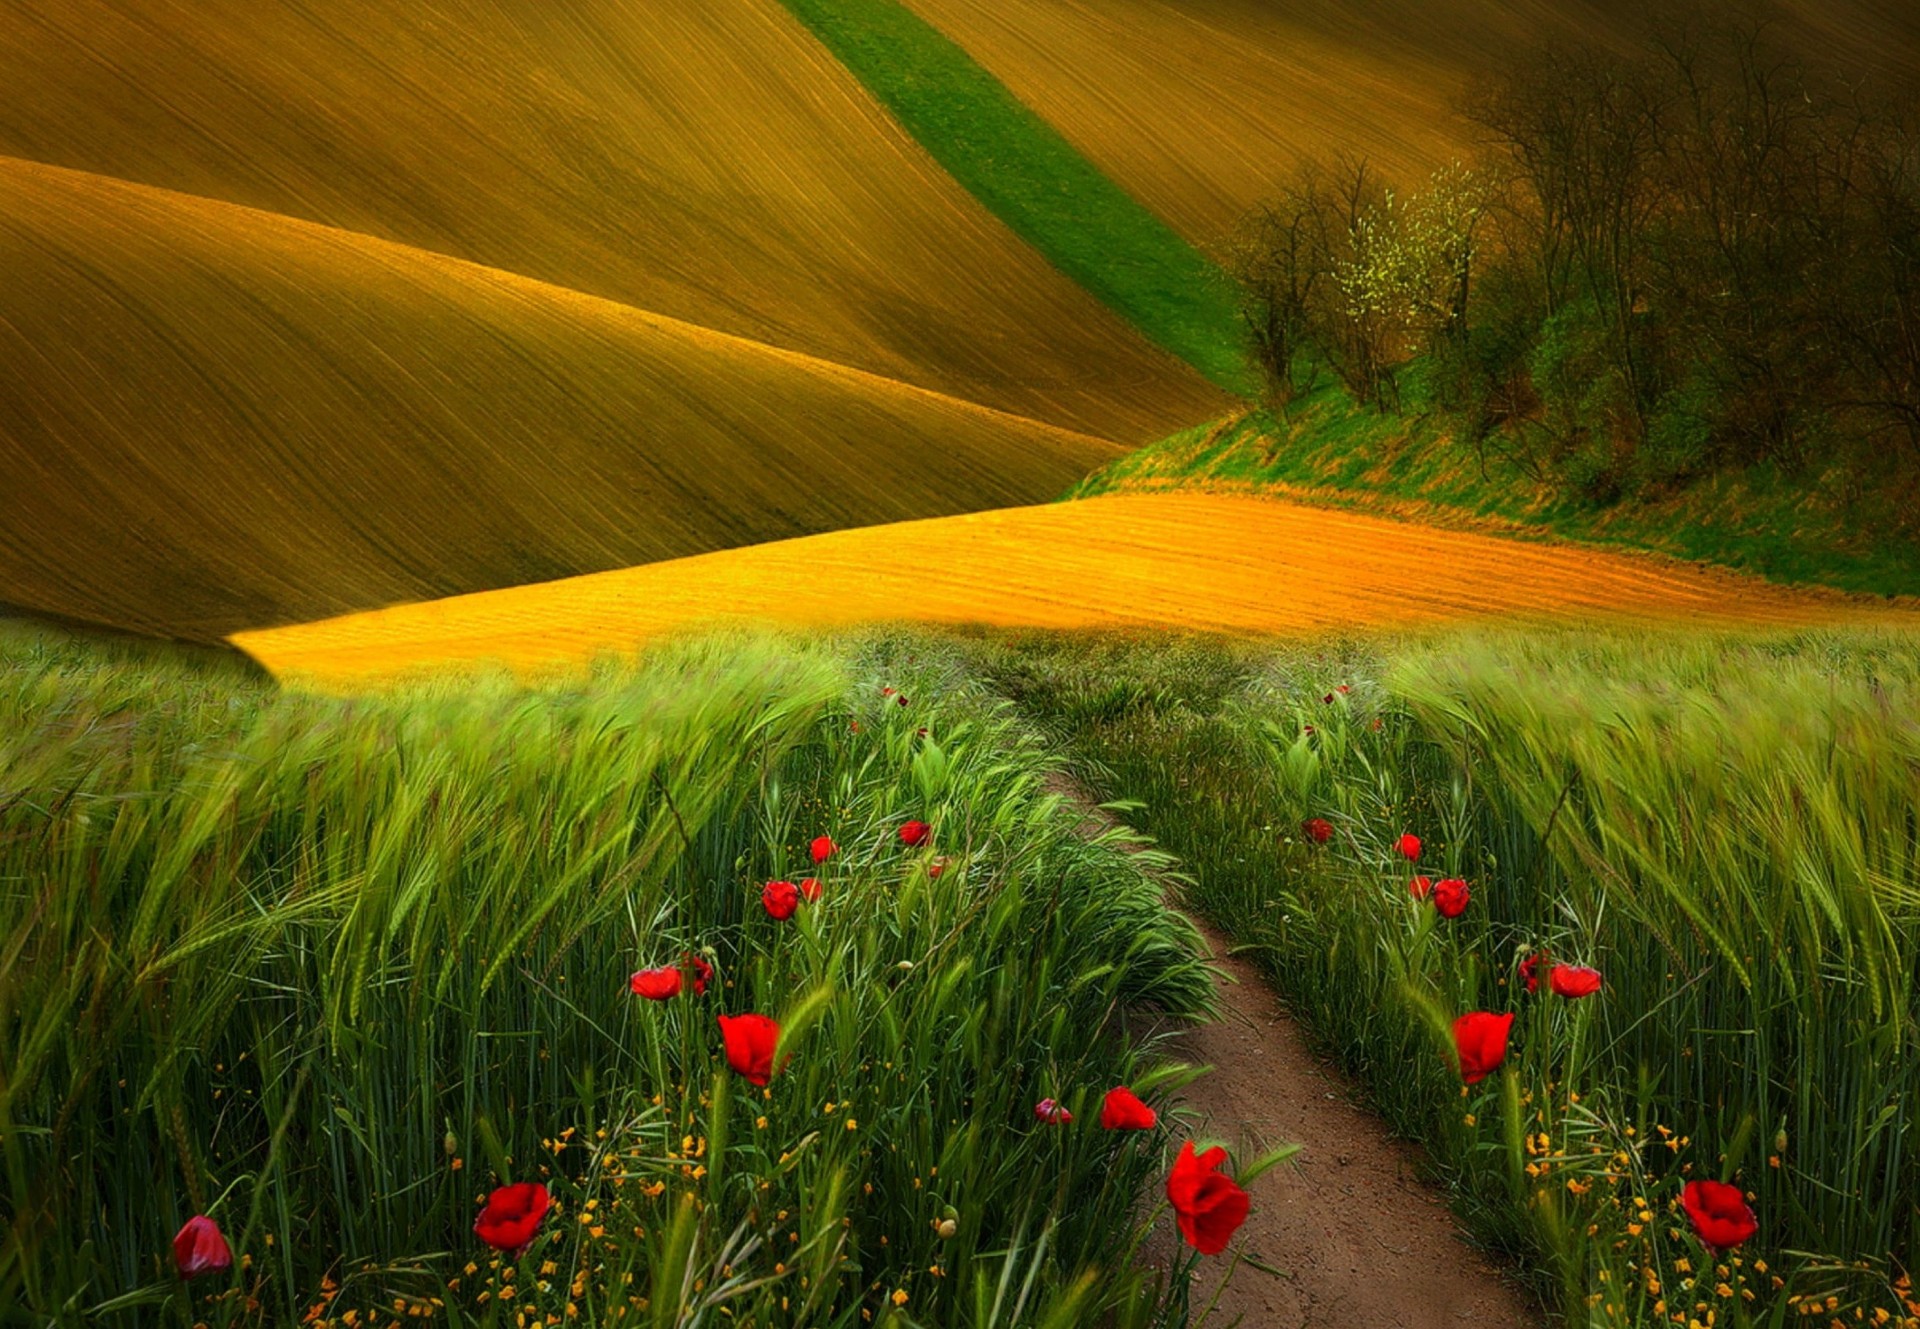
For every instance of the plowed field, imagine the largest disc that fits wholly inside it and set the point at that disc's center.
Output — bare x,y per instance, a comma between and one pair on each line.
1198,106
1171,560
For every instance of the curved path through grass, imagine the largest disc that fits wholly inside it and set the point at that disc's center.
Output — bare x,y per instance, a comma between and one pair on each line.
1197,562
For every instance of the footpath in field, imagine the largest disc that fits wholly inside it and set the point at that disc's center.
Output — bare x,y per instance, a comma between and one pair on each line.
1347,1233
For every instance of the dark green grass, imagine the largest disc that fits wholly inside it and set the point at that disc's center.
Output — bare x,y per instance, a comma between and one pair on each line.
1036,182
1790,529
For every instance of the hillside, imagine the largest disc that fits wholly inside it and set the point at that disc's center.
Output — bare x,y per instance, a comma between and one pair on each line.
216,418
704,159
1198,106
1191,561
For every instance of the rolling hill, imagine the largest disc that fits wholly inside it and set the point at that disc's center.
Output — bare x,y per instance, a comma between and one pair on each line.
216,418
1198,106
1191,561
703,159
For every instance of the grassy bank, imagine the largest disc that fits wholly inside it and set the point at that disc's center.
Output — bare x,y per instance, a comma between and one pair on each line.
1787,529
1036,182
328,971
1724,829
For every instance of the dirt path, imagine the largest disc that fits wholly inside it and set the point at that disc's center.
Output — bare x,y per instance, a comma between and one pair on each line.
1360,1240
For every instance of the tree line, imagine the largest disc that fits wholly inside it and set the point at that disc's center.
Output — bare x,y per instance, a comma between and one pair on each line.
1693,256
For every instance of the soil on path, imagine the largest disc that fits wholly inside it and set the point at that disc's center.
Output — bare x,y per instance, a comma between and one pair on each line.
1361,1242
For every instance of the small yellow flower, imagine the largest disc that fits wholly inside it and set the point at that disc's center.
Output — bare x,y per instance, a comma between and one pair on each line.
899,1296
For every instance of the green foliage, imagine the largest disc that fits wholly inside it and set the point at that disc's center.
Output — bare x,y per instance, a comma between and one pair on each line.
1036,182
328,970
1723,827
1787,528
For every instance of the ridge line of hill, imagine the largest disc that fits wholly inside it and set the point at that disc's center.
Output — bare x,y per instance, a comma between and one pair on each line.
486,271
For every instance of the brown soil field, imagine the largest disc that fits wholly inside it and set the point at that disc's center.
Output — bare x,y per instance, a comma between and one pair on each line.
703,159
214,418
1181,561
1199,106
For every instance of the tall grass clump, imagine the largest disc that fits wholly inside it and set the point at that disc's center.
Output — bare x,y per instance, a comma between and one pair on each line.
329,970
1723,828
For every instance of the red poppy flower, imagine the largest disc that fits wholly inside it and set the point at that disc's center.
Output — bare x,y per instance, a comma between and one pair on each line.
1408,847
886,691
512,1215
662,984
914,833
1343,689
810,889
1209,1205
1574,980
823,848
702,971
1719,1213
1480,1037
1307,729
1328,698
921,732
1420,887
1122,1110
1451,897
750,1041
1530,970
1051,1112
1318,829
936,867
901,698
854,725
780,899
200,1248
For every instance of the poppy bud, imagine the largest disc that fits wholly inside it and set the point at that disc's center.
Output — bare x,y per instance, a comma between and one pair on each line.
201,1248
946,1227
451,1143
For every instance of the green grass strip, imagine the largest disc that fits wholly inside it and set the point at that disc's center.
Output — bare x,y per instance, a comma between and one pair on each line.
1036,182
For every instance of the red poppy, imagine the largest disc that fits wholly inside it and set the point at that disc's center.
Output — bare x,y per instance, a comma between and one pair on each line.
1408,847
1719,1213
914,833
936,867
512,1215
1328,698
1451,897
1420,887
1122,1110
750,1041
1307,729
901,698
921,732
780,899
1377,722
662,984
1209,1205
823,848
1480,1037
702,971
1530,970
810,889
1051,1112
1574,980
886,692
200,1248
854,725
1318,829
1343,689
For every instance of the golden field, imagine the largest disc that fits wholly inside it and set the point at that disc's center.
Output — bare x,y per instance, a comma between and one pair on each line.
1182,561
215,418
702,159
1199,106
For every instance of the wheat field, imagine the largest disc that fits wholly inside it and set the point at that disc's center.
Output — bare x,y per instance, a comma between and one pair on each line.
217,418
1199,106
1184,561
703,159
